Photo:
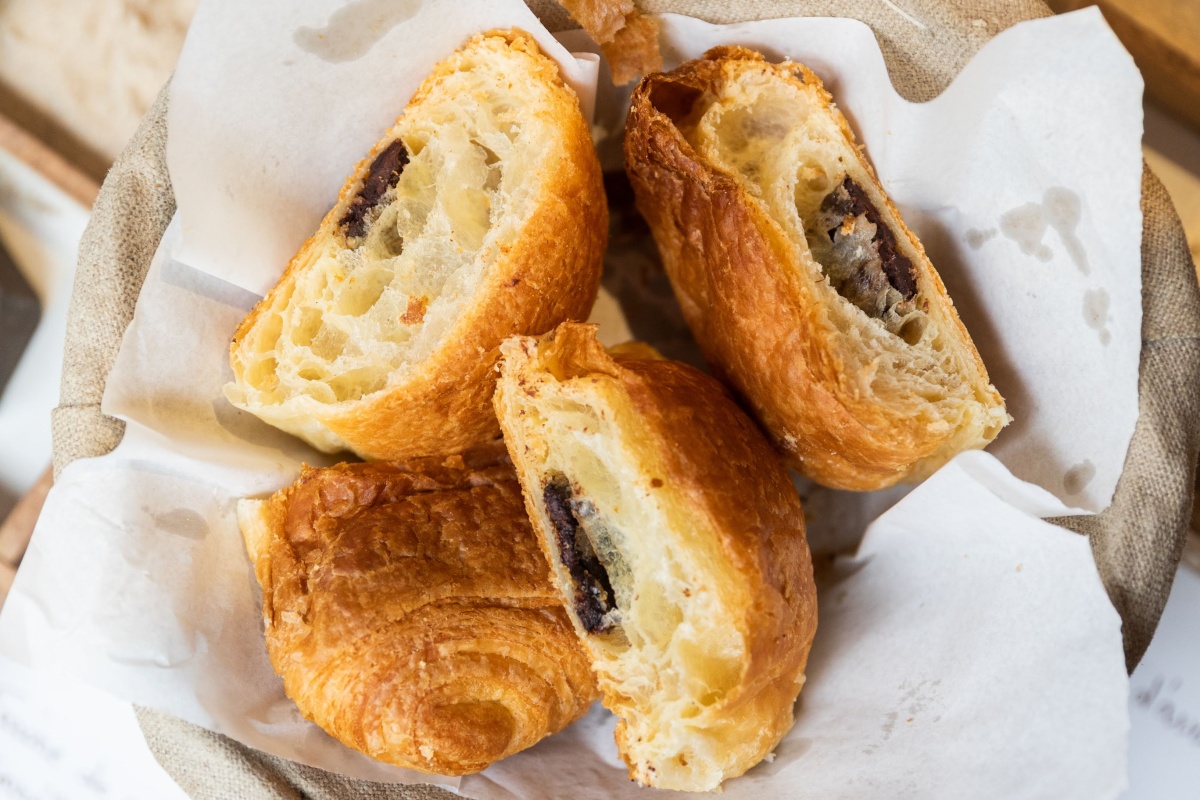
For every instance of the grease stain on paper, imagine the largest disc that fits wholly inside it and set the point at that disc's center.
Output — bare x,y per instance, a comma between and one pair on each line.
977,239
917,698
890,724
1078,477
354,29
1026,225
182,522
920,694
1096,303
1061,210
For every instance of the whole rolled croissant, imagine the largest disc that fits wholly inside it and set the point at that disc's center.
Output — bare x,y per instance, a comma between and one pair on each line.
409,611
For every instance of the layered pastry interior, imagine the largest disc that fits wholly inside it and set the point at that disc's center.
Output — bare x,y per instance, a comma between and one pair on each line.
404,252
786,151
406,255
637,593
874,291
664,642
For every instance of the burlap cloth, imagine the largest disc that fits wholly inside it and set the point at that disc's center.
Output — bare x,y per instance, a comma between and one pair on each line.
1137,542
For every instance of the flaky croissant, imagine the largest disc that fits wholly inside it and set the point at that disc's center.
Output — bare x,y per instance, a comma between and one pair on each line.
409,611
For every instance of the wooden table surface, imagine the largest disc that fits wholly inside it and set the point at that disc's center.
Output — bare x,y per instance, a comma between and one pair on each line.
17,527
1163,36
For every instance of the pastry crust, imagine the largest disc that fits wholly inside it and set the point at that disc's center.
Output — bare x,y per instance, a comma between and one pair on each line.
855,362
391,624
677,540
628,40
479,215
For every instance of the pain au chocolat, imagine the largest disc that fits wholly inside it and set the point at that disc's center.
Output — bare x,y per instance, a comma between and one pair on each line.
797,276
479,215
409,611
677,541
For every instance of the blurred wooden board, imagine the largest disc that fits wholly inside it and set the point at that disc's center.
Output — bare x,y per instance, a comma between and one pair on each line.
1164,38
18,525
17,528
47,162
7,573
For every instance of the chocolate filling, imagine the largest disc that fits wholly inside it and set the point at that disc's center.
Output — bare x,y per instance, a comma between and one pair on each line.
593,598
849,200
861,260
384,173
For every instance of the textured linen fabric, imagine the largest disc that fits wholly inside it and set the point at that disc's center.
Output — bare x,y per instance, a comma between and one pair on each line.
1137,542
129,216
1139,539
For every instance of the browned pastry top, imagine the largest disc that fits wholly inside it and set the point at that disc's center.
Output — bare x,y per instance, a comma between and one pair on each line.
409,610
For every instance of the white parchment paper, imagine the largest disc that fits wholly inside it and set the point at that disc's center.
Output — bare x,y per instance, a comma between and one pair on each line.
968,650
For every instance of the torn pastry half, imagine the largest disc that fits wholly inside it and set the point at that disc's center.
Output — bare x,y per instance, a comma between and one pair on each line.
677,541
800,281
391,623
480,214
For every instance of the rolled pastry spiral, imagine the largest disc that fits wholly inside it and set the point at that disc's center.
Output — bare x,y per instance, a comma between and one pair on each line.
410,614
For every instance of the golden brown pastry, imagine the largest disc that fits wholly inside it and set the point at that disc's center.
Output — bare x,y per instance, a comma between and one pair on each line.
798,278
409,611
628,40
480,214
677,539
